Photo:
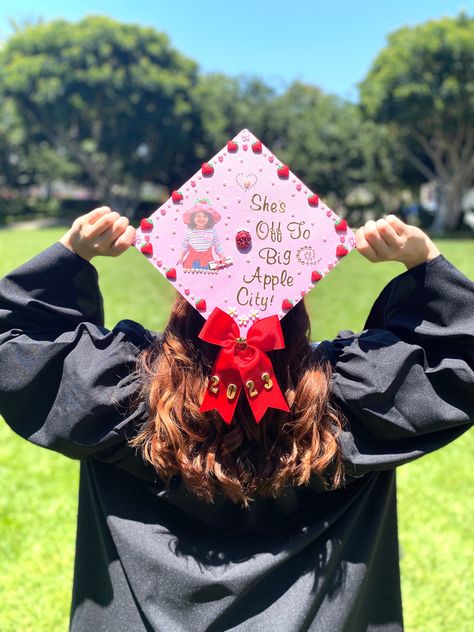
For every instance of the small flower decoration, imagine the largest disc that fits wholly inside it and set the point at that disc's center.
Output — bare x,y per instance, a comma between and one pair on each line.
232,311
243,319
254,314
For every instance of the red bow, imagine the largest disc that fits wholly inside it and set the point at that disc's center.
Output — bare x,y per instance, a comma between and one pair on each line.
242,362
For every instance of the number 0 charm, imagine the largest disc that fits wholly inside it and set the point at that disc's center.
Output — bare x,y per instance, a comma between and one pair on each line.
231,391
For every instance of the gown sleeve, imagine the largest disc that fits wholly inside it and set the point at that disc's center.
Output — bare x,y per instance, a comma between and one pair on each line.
66,382
406,383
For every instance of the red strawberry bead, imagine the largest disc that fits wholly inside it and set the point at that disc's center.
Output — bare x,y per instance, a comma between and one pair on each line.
341,251
283,171
232,146
257,147
207,169
316,276
171,274
147,249
146,224
243,240
201,305
340,225
287,304
313,200
176,196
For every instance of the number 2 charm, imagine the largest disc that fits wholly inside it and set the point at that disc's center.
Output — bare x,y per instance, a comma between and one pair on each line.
251,388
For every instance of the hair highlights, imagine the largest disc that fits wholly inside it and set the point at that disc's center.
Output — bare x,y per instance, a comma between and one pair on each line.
243,459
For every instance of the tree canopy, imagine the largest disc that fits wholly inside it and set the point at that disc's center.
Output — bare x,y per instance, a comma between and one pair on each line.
114,98
113,106
422,85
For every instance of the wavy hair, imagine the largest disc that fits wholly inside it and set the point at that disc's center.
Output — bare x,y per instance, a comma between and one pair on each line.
244,459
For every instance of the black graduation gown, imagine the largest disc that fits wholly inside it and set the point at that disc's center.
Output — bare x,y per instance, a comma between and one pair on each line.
154,559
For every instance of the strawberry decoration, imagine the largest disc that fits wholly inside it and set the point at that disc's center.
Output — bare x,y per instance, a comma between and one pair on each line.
313,200
207,169
316,276
340,225
171,274
147,249
341,251
146,224
232,146
243,240
176,196
283,171
201,305
287,304
257,147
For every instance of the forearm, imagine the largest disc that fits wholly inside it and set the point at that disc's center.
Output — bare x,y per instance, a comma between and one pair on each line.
53,291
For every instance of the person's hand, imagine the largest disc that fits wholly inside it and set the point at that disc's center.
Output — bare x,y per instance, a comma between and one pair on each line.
100,232
390,239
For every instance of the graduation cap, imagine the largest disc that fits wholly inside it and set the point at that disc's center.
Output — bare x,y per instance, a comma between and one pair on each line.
243,240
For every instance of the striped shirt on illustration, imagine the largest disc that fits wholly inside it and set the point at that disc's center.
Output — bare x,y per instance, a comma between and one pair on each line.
202,240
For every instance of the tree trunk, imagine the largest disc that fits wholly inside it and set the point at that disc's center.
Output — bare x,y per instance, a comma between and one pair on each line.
452,169
449,203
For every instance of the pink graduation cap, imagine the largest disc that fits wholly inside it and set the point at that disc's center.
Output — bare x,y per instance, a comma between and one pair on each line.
243,240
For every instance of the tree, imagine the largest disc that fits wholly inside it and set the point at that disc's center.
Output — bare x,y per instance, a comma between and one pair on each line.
325,140
27,162
112,98
229,104
422,86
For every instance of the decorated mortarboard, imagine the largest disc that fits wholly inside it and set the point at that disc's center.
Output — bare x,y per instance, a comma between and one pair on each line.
243,240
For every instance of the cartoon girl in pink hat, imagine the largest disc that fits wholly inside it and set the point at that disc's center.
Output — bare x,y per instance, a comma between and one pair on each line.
201,237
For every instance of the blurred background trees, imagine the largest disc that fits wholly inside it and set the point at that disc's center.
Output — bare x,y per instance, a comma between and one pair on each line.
422,86
114,100
112,113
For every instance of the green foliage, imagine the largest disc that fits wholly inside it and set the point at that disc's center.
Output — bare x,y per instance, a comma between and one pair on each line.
424,78
113,98
230,104
113,106
39,488
329,145
422,85
26,159
323,138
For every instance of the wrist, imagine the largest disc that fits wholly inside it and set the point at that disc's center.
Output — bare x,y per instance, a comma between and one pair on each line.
66,241
428,252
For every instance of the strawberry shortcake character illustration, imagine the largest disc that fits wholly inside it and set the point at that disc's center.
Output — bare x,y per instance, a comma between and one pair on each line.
201,238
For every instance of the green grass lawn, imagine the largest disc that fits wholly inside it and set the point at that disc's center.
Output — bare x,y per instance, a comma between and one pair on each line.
38,500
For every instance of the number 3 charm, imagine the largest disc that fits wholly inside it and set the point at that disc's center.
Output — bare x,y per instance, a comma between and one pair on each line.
267,381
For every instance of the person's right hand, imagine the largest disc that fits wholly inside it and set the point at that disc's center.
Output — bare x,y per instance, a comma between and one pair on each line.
100,232
390,239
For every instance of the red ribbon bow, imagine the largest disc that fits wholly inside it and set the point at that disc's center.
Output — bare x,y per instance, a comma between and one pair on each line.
242,363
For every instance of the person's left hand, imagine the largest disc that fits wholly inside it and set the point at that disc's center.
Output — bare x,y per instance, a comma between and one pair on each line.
101,232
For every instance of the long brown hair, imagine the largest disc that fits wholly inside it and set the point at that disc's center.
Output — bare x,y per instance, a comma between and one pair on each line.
243,459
